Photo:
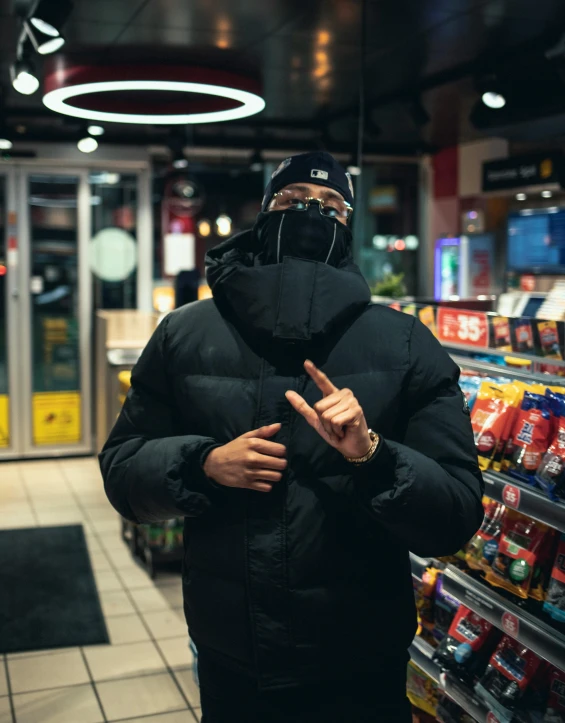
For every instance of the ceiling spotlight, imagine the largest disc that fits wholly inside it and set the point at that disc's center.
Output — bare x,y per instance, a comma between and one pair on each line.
521,196
204,227
493,100
223,225
23,76
87,145
44,44
256,162
354,170
95,131
179,160
5,143
546,194
49,16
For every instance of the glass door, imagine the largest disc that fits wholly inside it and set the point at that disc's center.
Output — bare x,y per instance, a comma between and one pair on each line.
55,218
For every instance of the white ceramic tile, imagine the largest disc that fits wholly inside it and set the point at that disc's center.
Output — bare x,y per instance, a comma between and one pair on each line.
176,652
47,671
133,697
172,594
50,501
5,710
62,705
112,540
190,689
166,624
107,581
121,557
198,714
135,578
3,681
59,516
126,629
107,527
101,512
121,661
9,521
12,492
98,560
116,602
35,653
148,599
16,507
180,716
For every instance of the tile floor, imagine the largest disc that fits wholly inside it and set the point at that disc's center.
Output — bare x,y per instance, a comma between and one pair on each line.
145,674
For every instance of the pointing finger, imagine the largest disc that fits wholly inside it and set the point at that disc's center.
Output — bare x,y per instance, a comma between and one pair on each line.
302,407
319,378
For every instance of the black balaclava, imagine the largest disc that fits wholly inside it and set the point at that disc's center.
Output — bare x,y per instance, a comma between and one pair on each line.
304,234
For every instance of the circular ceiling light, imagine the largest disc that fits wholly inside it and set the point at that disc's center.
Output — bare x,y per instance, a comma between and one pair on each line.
87,145
5,144
95,130
493,100
73,82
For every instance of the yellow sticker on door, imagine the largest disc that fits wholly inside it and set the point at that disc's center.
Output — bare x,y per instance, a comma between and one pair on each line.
4,421
56,418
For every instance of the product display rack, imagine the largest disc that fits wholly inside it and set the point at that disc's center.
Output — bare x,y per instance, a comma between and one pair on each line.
536,635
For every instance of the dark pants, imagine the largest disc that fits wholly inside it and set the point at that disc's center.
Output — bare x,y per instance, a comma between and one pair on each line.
228,697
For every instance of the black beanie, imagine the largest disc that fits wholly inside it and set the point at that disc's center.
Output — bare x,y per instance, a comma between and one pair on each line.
318,167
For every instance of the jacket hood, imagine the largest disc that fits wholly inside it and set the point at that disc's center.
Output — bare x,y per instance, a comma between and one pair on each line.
297,300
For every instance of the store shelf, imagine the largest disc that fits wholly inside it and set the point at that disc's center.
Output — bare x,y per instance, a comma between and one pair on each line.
419,565
541,638
501,354
528,500
421,654
497,370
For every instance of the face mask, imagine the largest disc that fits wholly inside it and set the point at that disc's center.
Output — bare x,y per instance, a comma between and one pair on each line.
303,235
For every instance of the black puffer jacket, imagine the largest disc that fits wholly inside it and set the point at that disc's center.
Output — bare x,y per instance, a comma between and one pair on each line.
285,584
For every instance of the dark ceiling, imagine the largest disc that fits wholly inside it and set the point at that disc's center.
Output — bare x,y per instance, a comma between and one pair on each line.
309,54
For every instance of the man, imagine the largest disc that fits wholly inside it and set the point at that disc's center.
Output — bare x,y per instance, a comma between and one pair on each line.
251,415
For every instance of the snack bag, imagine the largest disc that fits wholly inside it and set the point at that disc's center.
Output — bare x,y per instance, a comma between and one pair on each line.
467,647
482,549
530,437
555,711
550,475
427,316
544,565
518,551
501,333
523,336
510,670
549,339
554,604
490,418
421,690
425,603
445,609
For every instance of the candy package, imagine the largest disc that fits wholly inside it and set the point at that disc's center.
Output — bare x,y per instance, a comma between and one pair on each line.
424,593
520,545
421,690
508,675
491,418
549,339
554,604
500,333
555,711
466,649
550,475
483,547
530,436
445,609
523,336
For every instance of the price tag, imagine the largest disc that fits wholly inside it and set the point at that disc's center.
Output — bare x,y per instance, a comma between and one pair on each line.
460,326
491,718
511,625
511,496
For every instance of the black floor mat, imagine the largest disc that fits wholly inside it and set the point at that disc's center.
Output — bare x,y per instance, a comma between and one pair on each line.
48,595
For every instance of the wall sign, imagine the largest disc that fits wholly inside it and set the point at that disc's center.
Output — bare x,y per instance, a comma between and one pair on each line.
531,170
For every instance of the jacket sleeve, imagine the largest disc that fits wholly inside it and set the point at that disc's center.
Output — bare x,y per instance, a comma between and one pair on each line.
150,471
426,487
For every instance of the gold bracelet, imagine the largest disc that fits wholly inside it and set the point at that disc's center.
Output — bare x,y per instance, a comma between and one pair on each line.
375,439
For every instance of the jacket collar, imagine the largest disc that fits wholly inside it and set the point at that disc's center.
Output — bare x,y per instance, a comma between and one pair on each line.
297,300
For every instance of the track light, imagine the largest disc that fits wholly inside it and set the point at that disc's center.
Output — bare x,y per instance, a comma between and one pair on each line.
87,145
491,93
49,16
43,44
179,160
95,131
23,77
5,142
256,162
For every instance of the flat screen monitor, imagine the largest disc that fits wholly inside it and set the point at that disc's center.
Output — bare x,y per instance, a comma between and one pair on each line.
536,242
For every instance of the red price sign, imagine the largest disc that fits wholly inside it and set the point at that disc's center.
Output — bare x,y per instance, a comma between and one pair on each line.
511,496
511,625
491,718
460,326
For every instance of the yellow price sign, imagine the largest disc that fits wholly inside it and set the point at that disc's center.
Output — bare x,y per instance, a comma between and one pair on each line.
56,418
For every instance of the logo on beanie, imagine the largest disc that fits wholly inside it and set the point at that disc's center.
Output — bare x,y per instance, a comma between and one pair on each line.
350,182
315,173
282,166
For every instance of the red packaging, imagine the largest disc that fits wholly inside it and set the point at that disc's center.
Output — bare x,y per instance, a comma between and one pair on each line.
556,701
482,549
530,437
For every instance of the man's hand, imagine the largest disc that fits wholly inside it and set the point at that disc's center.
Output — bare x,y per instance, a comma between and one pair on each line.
337,418
250,461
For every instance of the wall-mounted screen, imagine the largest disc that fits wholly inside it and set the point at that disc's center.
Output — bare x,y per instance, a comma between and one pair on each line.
536,242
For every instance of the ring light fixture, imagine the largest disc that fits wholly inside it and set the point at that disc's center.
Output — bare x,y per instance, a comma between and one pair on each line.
56,99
